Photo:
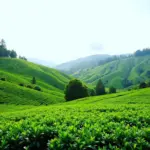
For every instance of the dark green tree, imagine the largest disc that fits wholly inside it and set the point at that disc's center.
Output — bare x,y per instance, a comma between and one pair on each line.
92,92
112,89
3,43
148,84
75,89
33,81
22,57
100,88
142,85
13,54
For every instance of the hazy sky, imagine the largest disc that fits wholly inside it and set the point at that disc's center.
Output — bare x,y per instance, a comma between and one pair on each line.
61,30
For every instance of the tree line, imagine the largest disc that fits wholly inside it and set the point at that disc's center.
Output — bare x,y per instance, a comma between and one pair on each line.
143,52
76,89
4,52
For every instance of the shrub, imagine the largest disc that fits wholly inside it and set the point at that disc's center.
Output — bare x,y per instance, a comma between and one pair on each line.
37,88
112,89
75,89
3,79
92,92
148,84
29,86
142,85
21,84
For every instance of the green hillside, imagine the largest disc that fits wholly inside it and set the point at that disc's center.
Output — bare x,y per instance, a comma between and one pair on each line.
120,73
17,71
113,121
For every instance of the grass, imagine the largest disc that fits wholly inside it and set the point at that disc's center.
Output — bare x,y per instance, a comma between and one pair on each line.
113,121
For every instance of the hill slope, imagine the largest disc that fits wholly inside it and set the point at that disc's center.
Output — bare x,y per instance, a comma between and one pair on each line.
120,73
16,71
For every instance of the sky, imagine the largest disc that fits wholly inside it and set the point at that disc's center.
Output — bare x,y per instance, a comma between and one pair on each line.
63,30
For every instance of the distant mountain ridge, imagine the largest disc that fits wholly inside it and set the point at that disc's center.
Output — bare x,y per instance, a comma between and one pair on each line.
120,73
42,62
81,63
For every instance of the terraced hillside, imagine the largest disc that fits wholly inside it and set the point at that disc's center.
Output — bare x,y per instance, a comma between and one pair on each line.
115,121
17,71
120,73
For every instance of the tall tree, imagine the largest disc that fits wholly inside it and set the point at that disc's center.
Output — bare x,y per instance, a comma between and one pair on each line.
100,88
3,43
33,81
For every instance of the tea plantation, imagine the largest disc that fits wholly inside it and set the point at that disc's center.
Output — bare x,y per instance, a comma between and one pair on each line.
109,122
16,86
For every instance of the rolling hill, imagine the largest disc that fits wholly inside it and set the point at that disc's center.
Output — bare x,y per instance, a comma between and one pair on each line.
17,71
120,73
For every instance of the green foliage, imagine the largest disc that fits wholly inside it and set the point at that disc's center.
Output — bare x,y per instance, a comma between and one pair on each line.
3,79
75,89
21,84
22,57
112,89
113,121
100,88
148,84
142,85
37,88
33,81
13,54
30,86
92,92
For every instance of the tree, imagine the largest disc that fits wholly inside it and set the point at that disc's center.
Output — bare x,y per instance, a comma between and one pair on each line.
92,92
148,84
100,88
22,57
13,54
3,43
112,90
142,85
75,89
33,81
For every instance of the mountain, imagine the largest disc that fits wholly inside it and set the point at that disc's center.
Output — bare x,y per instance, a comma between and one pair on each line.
42,62
81,63
120,73
18,75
